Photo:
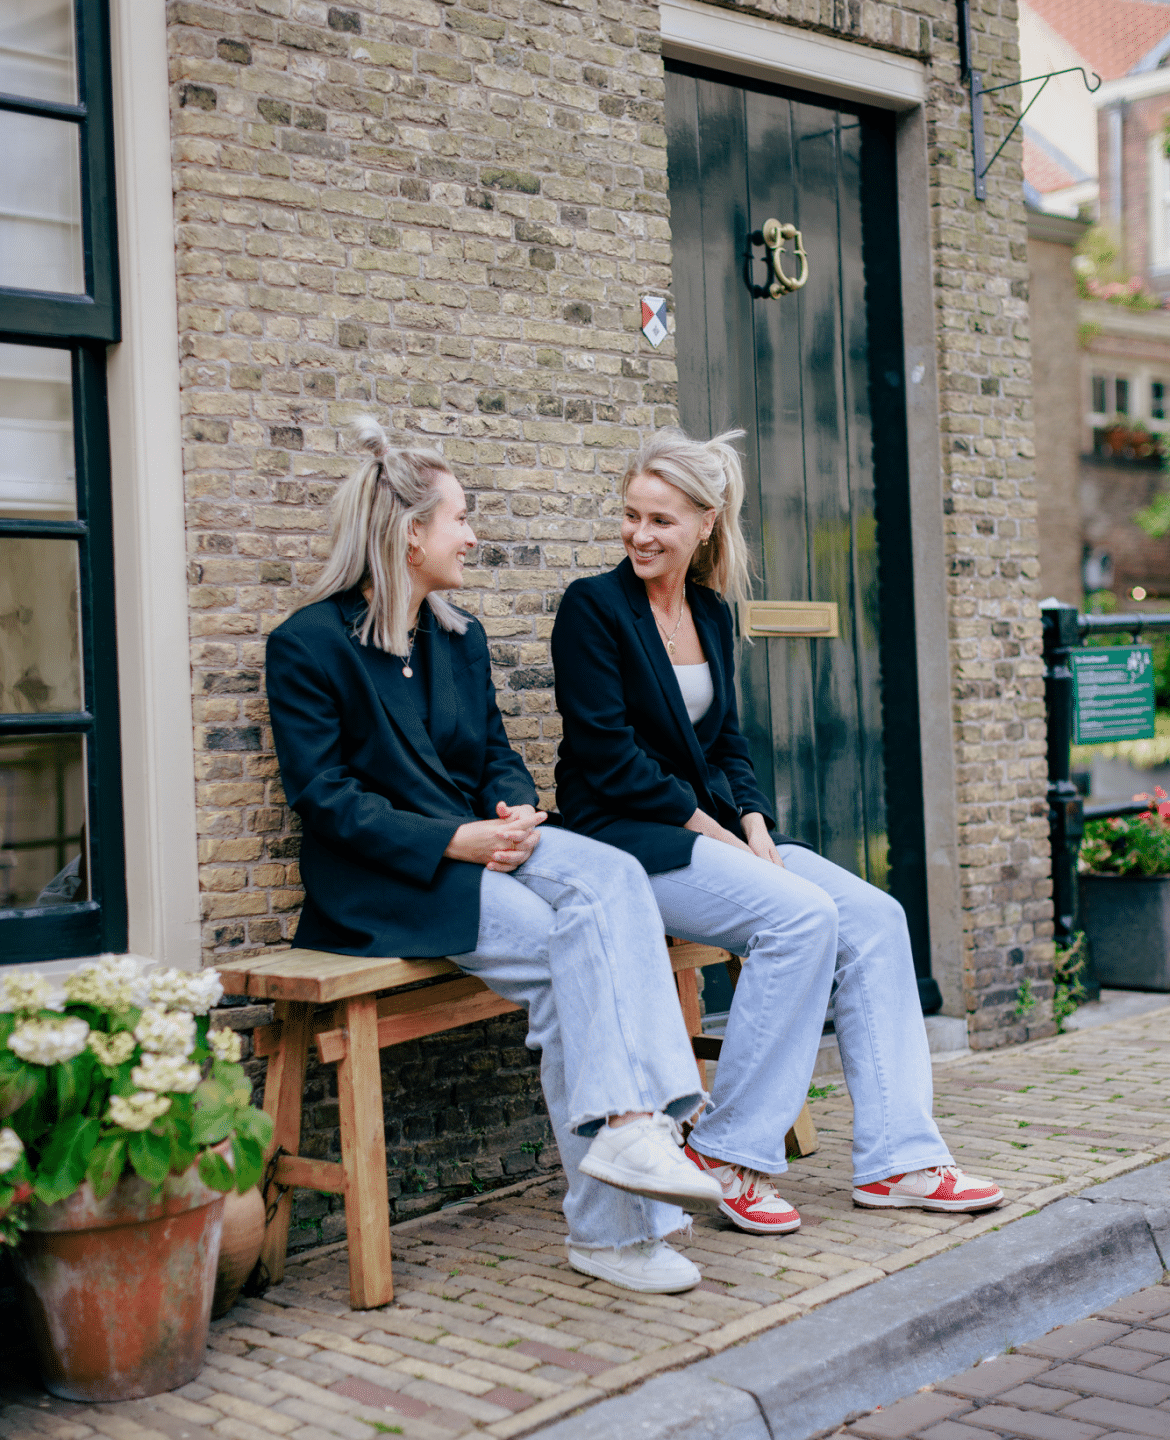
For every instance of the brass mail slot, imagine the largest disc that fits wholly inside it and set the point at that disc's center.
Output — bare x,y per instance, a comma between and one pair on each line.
807,618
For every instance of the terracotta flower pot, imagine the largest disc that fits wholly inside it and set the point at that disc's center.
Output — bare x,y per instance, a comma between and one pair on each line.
243,1234
118,1291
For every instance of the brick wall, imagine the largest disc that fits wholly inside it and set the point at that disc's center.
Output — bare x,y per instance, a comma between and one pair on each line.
446,213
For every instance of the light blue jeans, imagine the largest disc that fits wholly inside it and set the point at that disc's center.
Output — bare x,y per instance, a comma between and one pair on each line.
574,936
808,931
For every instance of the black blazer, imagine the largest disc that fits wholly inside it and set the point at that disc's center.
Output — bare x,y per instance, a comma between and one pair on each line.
379,796
632,768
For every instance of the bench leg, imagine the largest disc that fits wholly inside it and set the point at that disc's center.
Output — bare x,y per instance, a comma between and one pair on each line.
363,1155
802,1139
688,997
284,1088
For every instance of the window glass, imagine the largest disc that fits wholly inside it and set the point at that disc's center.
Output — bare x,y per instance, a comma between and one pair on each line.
1157,400
40,651
37,480
43,852
38,60
1122,390
1099,394
40,204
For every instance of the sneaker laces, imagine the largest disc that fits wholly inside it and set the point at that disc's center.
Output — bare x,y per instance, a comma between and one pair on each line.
757,1186
660,1120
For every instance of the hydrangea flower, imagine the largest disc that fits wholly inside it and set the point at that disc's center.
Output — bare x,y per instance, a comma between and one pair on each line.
24,992
166,1033
115,983
138,1111
49,1042
225,1045
185,990
11,1149
112,1049
161,1073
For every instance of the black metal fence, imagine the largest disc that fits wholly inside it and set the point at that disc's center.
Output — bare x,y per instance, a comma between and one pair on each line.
1065,630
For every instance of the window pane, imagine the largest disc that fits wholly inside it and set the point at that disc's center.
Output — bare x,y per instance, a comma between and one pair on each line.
1157,400
1122,387
37,50
37,480
40,204
40,644
1099,394
43,853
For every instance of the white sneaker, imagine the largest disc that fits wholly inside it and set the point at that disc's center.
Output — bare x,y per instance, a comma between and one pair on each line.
645,1156
650,1266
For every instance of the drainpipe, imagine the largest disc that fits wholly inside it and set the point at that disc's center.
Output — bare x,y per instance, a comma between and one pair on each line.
1115,129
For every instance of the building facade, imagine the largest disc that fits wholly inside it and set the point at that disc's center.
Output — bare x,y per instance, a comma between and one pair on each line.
448,215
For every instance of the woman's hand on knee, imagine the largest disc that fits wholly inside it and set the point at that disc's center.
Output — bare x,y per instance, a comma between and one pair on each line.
760,843
702,823
502,844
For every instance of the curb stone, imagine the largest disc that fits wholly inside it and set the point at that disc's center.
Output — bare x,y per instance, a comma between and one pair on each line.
913,1328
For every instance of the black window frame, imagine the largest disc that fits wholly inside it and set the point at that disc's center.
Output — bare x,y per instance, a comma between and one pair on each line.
84,325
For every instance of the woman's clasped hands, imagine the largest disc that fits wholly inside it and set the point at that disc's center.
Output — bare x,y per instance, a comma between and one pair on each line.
503,844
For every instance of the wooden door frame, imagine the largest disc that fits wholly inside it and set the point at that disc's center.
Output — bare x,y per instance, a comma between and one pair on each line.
828,67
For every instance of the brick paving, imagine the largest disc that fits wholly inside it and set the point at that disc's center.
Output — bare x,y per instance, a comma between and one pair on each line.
491,1331
1107,1376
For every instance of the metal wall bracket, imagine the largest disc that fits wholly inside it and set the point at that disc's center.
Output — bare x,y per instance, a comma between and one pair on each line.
976,89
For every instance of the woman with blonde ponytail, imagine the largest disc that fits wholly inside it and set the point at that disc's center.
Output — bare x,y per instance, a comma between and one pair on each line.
422,836
653,762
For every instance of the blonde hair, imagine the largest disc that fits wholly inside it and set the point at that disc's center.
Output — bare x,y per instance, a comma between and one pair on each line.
370,523
709,474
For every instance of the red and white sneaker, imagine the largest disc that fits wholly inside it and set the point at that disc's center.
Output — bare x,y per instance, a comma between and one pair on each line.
942,1187
750,1200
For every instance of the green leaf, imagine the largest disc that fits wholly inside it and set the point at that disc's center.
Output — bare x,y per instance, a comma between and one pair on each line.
74,1082
65,1158
256,1125
106,1164
211,1124
249,1162
150,1155
215,1172
18,1084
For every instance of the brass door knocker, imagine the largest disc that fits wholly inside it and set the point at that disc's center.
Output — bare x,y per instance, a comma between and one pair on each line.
775,235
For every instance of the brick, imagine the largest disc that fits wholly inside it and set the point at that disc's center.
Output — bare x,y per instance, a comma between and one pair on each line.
1138,1390
994,1376
1029,1425
906,1417
1073,1339
1137,1419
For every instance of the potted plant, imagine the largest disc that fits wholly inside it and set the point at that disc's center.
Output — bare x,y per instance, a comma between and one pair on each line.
1125,895
127,1121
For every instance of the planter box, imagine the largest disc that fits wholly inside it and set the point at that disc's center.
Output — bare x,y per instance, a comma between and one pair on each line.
1127,922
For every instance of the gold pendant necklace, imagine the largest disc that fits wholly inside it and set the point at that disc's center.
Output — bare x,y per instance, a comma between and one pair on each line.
670,638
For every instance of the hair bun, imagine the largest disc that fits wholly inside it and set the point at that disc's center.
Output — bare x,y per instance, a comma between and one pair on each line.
368,433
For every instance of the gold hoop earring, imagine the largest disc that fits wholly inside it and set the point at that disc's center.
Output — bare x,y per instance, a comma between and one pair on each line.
414,564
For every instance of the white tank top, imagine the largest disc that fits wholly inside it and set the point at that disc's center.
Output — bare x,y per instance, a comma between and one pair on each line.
698,691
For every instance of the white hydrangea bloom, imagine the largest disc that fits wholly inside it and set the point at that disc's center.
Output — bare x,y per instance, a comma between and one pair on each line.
114,983
49,1042
166,1032
138,1111
112,1049
24,992
184,990
161,1073
11,1149
225,1045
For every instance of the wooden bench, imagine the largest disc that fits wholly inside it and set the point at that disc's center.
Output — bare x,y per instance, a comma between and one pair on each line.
352,1007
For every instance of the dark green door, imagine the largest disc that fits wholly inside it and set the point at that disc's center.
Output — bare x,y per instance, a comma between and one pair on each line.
815,378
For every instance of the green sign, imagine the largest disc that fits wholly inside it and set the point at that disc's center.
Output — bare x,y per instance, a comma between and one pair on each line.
1114,690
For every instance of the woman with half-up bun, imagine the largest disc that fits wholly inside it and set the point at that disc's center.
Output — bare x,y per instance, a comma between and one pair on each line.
422,836
653,761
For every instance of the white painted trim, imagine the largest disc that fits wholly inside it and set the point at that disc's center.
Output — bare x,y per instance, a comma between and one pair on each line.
769,50
1132,87
149,540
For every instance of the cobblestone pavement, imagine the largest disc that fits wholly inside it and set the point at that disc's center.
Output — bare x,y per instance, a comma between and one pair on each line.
491,1331
1107,1376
